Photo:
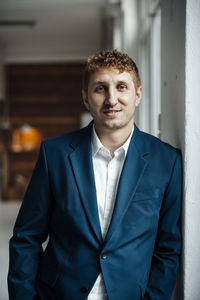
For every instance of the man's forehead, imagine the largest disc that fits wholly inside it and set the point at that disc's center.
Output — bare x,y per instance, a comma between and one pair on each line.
106,72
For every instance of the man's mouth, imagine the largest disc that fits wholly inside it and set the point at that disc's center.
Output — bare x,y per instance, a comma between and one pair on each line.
111,112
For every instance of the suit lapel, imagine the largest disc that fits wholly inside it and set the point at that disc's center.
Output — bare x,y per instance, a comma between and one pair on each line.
81,161
132,172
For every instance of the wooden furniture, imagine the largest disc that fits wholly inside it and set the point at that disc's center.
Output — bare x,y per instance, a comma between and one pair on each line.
46,97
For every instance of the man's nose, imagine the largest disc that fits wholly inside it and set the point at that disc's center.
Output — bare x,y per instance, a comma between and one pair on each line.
111,97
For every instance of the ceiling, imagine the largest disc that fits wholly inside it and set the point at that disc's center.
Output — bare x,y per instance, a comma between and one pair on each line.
50,30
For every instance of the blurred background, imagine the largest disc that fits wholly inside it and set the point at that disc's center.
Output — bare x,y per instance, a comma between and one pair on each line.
43,48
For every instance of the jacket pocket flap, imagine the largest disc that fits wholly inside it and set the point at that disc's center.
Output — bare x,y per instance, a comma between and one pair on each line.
146,195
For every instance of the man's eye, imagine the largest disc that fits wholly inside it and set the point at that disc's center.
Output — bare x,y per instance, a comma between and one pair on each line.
121,87
99,88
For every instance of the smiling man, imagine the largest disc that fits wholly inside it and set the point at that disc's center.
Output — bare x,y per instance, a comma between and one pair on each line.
111,97
108,196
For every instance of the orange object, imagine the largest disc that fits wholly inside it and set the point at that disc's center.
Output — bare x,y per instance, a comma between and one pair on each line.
26,138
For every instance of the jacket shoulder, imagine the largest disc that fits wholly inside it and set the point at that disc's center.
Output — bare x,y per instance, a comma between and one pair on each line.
156,145
65,139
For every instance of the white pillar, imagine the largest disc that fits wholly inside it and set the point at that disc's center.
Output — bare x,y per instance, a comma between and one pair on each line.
130,28
192,153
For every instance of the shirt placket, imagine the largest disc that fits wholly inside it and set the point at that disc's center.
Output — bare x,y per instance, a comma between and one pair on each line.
108,205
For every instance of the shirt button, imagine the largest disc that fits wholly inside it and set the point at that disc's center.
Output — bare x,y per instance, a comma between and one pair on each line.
104,256
84,289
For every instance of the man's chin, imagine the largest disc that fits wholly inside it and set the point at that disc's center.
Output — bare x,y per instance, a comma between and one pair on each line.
113,126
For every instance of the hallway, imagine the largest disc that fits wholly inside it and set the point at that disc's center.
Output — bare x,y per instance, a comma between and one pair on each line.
8,212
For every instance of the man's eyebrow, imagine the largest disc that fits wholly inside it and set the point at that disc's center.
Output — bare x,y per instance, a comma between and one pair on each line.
122,82
104,82
98,82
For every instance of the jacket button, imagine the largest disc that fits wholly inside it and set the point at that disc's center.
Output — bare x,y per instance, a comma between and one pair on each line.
84,289
104,256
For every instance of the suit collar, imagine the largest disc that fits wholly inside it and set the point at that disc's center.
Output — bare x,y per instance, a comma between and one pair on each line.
138,137
81,161
81,136
133,169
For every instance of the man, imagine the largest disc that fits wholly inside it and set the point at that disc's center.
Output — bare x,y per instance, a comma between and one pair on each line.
108,196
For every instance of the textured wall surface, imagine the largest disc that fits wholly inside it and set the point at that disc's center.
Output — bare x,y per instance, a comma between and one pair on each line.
192,150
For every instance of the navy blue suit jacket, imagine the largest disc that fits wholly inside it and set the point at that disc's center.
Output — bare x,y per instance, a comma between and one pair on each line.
140,254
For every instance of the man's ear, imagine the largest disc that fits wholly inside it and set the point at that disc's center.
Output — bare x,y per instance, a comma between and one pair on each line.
85,99
138,95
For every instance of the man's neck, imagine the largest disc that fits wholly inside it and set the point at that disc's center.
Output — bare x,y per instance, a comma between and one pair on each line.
112,140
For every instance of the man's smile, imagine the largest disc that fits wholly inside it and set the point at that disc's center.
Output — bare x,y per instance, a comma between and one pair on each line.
111,112
112,99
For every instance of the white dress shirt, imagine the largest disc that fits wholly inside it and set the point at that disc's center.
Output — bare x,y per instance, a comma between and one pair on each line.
107,171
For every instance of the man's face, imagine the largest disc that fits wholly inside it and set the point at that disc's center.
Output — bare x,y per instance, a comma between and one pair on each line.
111,99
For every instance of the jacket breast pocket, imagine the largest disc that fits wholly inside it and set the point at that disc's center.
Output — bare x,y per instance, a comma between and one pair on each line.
143,211
143,195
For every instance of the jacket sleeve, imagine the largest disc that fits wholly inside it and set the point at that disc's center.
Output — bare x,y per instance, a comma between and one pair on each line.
30,231
165,260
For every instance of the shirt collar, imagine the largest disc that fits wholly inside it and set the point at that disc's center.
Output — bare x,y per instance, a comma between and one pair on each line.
97,145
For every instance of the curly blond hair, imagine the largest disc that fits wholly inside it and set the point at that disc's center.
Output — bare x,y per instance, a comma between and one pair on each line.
110,59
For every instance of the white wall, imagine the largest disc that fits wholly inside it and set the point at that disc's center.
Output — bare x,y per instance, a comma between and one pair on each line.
130,28
192,152
149,64
180,123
